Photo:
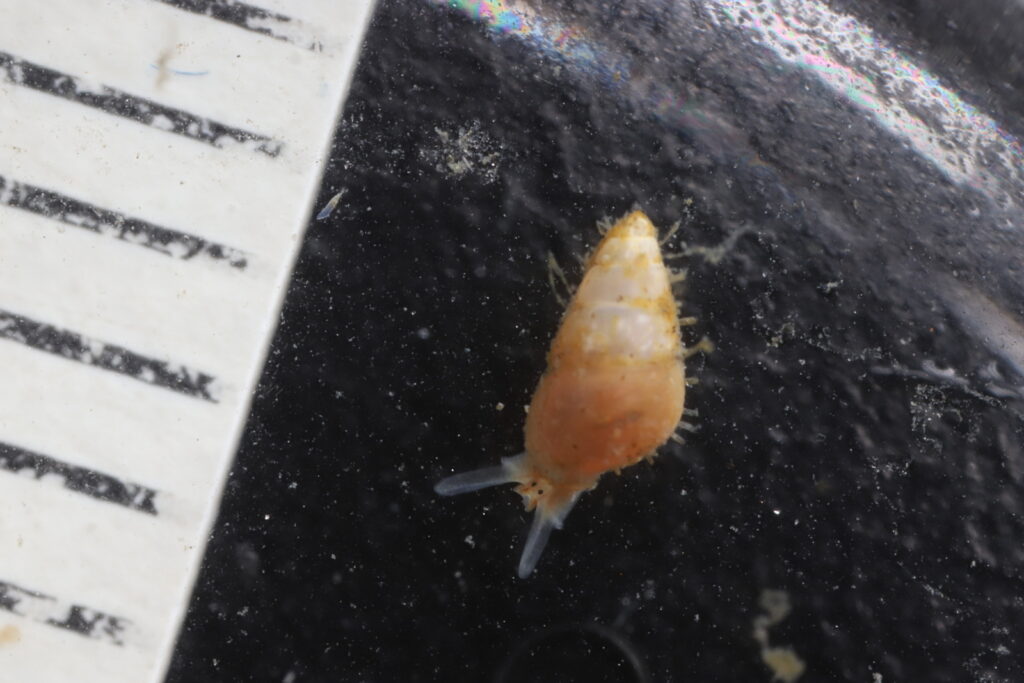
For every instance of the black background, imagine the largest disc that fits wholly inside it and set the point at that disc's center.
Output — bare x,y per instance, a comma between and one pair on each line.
834,461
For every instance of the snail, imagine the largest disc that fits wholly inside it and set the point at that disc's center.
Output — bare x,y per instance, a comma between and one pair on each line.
613,390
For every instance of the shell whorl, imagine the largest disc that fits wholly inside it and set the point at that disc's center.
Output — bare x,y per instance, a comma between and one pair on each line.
624,309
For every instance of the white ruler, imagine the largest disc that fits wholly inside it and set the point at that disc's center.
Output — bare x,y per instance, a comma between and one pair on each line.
158,161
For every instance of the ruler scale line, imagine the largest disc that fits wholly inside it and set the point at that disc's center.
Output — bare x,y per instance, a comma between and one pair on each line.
244,16
131,107
46,609
80,214
92,483
76,347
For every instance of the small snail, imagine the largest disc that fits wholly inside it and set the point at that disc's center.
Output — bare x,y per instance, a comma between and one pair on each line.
613,390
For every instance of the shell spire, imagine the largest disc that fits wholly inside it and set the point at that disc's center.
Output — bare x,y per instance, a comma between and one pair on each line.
613,390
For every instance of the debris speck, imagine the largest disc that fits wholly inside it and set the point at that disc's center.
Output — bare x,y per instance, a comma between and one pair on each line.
830,287
330,205
10,634
180,72
785,664
469,149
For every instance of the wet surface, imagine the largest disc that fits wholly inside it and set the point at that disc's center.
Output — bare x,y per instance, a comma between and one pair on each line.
860,443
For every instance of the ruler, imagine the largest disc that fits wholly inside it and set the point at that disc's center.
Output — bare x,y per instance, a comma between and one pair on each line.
158,161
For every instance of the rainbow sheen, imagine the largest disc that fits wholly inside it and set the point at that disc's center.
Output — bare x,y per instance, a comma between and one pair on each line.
959,140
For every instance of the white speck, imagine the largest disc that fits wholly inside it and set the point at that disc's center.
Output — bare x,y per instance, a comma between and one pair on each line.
84,84
777,512
162,122
469,541
423,333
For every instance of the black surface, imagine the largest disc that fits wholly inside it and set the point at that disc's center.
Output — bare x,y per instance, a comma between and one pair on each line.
423,303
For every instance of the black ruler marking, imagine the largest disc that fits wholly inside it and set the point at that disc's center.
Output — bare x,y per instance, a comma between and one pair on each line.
102,221
82,480
241,15
91,623
76,347
126,105
46,609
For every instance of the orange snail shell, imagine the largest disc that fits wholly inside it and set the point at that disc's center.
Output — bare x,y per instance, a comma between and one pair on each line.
613,390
